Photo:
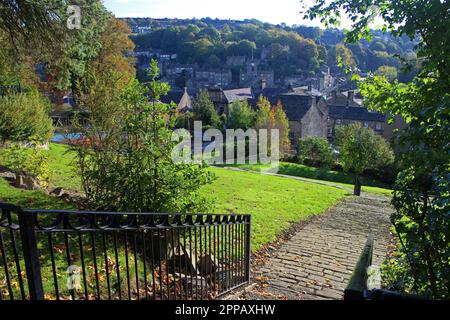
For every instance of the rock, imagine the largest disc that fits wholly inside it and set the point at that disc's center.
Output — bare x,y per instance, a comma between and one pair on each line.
28,182
194,286
183,263
58,192
207,265
8,176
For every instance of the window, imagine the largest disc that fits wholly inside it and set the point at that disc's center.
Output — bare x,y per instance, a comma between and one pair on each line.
366,124
338,121
378,126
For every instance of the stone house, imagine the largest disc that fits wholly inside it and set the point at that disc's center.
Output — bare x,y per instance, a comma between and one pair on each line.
307,115
222,78
222,99
306,111
182,100
344,109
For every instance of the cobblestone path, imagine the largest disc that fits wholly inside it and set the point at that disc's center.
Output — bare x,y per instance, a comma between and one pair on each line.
317,262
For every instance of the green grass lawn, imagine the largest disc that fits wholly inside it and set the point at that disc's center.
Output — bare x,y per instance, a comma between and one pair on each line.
341,178
62,170
274,202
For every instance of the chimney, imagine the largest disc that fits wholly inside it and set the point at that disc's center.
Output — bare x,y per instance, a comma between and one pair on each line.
263,84
350,97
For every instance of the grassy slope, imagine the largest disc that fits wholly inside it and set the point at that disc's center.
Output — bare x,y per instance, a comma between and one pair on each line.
273,202
341,178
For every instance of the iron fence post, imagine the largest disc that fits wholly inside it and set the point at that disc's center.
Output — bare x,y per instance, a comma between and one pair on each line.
31,256
247,248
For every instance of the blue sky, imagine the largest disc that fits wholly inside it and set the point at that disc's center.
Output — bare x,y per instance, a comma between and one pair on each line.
274,11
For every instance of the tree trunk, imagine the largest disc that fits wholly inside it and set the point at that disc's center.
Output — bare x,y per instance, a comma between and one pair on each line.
357,189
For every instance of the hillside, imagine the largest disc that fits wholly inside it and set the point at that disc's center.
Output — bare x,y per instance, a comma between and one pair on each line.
296,50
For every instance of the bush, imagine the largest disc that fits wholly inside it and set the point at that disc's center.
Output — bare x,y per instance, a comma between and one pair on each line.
315,151
125,157
30,160
24,116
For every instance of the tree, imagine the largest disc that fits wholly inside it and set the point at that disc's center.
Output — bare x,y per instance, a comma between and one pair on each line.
24,116
389,72
422,191
242,48
125,157
344,56
115,45
265,118
361,149
241,116
315,151
273,118
205,111
282,124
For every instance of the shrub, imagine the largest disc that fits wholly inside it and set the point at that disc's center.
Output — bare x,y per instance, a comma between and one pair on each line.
31,160
125,157
24,116
315,151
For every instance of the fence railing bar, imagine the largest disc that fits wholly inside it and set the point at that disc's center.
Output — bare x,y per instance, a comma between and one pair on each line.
105,254
31,256
5,266
83,266
116,255
199,256
94,257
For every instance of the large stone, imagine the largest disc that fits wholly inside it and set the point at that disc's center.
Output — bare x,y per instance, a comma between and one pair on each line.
207,265
57,192
194,286
182,262
28,182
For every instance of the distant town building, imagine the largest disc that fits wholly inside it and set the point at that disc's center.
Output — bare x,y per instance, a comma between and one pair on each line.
251,75
222,99
207,78
182,99
344,109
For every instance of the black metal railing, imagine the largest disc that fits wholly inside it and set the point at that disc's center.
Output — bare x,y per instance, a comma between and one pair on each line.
72,255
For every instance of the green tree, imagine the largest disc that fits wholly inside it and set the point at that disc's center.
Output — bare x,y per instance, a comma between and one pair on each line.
422,190
241,116
205,111
125,158
361,149
24,116
315,151
389,72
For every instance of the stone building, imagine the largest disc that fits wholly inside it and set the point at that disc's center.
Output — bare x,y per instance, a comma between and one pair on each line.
306,111
307,115
344,109
222,78
222,99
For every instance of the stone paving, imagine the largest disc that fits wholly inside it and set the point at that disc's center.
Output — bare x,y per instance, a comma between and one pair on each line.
317,262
